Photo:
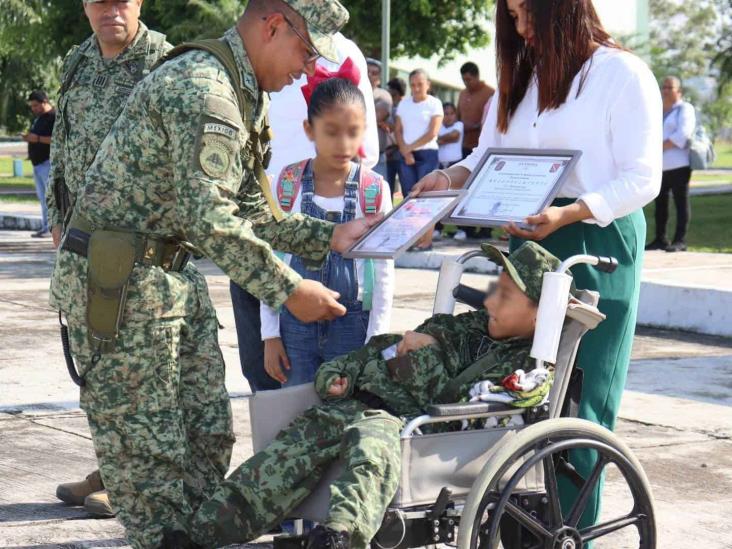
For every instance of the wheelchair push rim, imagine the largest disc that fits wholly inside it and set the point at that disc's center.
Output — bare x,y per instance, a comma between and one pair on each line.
493,502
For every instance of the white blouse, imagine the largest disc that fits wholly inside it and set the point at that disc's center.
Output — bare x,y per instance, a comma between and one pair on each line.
616,123
383,290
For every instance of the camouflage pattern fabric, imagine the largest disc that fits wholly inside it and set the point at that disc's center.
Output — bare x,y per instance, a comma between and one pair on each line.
159,415
96,95
262,491
462,340
174,165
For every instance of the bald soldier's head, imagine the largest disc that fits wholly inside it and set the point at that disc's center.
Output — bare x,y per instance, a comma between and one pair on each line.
284,38
115,23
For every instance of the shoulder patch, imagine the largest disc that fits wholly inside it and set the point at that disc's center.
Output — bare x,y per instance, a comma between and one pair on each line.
215,157
218,107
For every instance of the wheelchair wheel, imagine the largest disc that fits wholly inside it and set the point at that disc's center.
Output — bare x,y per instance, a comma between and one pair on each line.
494,504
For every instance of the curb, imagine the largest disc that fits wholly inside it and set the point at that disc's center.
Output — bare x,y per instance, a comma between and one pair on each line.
15,222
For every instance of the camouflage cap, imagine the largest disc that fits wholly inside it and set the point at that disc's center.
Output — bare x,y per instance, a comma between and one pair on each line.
526,266
324,18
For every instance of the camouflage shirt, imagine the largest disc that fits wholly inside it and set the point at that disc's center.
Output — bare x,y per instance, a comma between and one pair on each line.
92,100
461,341
173,165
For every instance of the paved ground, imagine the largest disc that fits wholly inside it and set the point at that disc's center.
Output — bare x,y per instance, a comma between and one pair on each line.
676,415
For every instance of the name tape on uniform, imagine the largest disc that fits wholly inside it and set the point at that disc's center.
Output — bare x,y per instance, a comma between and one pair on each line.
221,129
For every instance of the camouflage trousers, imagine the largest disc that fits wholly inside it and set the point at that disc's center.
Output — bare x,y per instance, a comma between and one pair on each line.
160,418
266,488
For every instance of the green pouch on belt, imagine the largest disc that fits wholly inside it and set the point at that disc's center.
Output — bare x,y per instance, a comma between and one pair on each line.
111,260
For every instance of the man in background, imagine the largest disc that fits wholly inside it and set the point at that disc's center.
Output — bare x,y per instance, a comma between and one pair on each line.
39,150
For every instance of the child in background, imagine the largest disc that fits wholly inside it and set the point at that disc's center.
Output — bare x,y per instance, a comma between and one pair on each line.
450,142
331,186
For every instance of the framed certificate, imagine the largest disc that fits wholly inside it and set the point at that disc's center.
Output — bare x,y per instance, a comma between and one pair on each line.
404,225
509,185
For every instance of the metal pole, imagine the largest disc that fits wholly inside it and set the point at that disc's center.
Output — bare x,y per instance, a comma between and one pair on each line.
385,40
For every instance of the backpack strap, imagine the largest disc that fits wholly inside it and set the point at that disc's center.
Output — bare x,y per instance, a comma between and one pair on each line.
289,183
221,51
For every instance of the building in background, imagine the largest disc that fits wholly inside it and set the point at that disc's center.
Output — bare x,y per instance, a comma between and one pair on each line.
622,18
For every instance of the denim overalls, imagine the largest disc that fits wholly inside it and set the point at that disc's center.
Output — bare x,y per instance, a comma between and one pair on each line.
309,345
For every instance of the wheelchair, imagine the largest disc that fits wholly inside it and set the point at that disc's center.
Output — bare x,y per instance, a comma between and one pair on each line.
496,486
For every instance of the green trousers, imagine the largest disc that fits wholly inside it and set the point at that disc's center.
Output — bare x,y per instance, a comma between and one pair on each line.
159,416
267,487
604,354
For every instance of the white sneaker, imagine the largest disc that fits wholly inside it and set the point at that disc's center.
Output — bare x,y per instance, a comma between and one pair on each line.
460,235
436,235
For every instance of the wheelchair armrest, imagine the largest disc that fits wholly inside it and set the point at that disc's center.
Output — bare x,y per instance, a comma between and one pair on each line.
468,408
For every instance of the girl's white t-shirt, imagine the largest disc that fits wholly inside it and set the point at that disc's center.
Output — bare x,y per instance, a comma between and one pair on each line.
451,152
416,118
383,291
615,121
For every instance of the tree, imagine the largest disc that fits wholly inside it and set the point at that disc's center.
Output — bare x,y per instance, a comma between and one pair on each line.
420,27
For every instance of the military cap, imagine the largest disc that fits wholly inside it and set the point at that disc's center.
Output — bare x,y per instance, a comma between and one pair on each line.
526,266
324,18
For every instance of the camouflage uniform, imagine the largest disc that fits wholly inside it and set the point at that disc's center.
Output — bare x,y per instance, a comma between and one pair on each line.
91,101
173,165
263,490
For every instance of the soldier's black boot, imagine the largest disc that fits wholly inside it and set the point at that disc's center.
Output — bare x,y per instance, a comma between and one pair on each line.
322,537
177,539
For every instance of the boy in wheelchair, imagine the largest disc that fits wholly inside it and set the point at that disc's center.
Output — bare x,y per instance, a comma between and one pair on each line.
366,395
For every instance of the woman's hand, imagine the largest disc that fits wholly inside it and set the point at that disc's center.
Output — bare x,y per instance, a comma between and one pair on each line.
338,387
433,181
274,358
413,341
408,157
549,220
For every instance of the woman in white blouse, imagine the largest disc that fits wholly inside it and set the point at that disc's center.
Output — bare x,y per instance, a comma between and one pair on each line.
565,84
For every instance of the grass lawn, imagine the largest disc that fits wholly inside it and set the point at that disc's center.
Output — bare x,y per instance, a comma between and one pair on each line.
25,198
724,154
709,228
710,178
6,167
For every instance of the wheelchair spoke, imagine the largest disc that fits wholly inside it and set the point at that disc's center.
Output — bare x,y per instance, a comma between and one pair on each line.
599,530
575,514
527,521
552,492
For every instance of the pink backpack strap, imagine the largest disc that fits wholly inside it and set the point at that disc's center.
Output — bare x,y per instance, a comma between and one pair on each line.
369,192
288,184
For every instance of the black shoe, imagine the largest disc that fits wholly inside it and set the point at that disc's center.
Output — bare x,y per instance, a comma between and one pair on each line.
177,539
657,244
678,246
322,537
41,234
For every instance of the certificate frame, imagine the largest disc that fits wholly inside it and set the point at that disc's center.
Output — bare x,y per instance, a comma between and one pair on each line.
365,249
478,181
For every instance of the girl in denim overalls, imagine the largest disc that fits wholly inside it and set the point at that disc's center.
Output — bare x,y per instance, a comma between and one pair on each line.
331,186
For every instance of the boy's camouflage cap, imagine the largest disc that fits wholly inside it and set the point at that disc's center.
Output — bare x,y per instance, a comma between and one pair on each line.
324,18
526,266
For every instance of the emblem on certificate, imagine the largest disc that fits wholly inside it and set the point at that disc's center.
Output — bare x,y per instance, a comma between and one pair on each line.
508,185
404,225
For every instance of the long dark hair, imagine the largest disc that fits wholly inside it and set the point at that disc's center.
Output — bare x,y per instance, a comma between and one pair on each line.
564,33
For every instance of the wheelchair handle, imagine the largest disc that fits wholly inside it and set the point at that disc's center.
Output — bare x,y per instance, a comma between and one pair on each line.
601,263
470,296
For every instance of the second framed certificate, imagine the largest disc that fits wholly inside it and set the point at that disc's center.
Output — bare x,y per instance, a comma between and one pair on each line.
509,185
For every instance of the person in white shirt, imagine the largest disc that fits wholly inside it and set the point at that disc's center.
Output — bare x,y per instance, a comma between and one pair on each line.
287,111
331,186
418,120
450,138
679,121
565,84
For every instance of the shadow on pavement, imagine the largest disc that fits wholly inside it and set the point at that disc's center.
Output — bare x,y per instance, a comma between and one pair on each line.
35,512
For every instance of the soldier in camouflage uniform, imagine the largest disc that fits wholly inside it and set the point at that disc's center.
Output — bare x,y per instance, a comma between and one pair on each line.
97,78
177,172
367,399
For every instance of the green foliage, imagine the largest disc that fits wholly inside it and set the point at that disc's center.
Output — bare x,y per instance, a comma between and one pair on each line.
420,27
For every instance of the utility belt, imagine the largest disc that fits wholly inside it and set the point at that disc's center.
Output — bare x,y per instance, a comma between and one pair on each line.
112,256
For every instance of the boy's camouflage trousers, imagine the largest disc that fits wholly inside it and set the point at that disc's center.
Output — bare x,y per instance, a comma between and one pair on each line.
263,490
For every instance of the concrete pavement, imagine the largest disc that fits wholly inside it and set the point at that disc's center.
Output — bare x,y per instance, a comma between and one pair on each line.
676,415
